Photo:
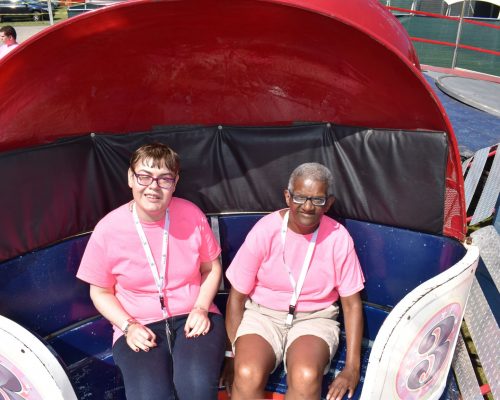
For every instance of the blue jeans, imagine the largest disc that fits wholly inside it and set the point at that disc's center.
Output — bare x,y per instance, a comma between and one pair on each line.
191,372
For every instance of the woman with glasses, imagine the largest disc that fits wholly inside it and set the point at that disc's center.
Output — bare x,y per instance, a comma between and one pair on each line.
286,280
153,270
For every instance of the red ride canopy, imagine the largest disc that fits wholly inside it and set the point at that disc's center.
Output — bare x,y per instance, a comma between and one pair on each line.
142,64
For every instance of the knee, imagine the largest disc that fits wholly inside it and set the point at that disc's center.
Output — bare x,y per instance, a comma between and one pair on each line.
304,378
249,376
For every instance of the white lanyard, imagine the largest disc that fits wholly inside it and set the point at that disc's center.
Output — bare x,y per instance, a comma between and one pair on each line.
159,276
297,286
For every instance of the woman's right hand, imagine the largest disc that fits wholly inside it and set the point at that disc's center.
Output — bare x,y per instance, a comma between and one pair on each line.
227,375
140,337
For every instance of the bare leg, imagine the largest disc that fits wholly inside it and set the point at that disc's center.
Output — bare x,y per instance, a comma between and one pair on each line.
306,359
253,363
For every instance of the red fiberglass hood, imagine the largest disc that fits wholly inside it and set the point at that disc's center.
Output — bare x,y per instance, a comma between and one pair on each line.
141,64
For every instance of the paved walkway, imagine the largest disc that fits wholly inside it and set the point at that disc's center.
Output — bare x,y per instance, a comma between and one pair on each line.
25,32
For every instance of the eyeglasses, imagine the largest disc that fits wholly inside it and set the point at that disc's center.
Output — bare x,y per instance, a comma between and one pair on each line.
163,182
316,201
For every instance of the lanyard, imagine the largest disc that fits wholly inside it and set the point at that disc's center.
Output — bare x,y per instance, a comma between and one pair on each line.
158,275
297,286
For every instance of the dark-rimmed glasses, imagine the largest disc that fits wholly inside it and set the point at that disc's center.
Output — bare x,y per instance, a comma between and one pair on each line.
316,201
162,181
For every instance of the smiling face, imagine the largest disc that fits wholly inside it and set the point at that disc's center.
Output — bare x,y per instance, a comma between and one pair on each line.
151,201
305,218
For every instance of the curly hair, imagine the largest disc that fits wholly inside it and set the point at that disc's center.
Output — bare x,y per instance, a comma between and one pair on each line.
316,172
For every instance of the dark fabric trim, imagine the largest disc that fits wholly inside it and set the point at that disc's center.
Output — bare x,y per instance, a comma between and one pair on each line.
390,177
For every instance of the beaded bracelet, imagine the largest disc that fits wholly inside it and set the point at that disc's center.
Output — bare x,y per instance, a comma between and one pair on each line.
127,324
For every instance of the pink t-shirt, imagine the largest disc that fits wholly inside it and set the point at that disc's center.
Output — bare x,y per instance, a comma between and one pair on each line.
114,257
258,269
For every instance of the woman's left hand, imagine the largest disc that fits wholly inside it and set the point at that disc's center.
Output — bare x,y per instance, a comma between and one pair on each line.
345,382
197,323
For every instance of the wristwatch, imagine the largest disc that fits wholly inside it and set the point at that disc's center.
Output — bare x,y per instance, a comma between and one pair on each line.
127,324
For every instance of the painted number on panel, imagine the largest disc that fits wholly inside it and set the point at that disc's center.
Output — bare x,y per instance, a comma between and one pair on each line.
14,385
424,361
434,349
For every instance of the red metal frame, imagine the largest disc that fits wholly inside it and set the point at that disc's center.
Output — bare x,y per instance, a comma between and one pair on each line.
462,46
440,16
438,42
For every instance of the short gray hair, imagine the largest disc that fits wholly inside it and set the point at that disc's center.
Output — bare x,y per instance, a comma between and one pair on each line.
315,171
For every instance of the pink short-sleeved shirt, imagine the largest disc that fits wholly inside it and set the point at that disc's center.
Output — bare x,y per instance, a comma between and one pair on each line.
114,257
258,269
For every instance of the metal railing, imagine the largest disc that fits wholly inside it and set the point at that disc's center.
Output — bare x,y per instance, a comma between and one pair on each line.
449,34
445,33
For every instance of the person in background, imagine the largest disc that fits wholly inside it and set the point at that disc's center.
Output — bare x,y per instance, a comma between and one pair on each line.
8,38
153,269
286,279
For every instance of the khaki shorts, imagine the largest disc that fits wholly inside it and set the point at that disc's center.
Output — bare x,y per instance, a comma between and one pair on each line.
270,325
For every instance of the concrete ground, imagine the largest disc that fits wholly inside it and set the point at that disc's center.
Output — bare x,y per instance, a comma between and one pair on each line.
25,32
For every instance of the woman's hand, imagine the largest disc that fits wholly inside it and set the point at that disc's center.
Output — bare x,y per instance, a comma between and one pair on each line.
227,376
345,381
197,323
348,379
140,337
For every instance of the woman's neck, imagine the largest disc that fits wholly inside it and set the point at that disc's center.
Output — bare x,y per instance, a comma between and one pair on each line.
147,216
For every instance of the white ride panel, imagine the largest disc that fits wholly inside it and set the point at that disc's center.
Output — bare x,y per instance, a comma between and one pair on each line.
28,370
412,353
